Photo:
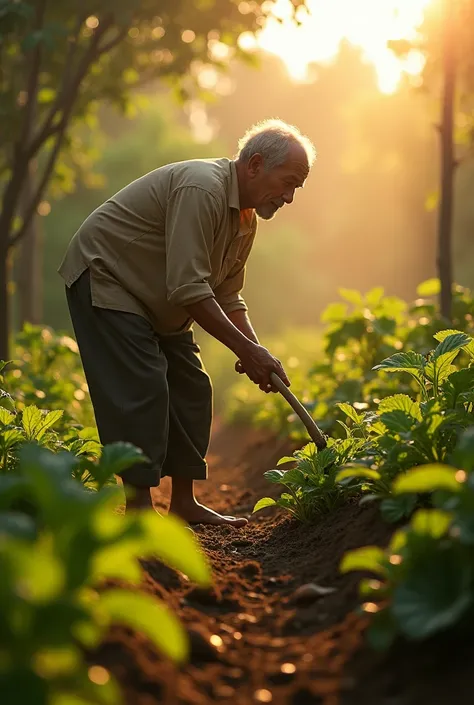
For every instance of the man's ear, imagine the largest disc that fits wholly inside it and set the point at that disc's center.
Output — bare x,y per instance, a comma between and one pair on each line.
255,165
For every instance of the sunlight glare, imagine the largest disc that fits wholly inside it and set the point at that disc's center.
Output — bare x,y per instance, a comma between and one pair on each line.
367,24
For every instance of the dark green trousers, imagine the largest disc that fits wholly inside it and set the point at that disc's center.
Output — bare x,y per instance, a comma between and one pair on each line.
146,389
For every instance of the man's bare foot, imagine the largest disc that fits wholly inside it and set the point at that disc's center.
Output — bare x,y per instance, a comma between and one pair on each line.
137,498
195,513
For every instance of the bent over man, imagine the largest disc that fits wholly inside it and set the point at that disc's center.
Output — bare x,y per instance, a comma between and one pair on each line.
167,250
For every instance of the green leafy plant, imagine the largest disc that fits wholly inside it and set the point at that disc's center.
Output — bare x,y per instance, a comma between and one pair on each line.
361,332
47,370
91,464
311,485
425,578
381,444
60,563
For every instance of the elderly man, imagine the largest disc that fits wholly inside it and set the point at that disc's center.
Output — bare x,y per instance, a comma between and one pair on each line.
169,249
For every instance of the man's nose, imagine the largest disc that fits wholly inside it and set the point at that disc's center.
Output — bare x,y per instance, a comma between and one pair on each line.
288,196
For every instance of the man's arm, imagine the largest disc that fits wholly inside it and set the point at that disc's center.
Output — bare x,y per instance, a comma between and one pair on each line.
241,320
257,361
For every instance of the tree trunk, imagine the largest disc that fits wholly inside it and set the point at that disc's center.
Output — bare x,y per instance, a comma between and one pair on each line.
29,268
448,166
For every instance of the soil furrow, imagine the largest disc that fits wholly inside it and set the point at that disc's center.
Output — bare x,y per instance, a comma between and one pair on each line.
251,640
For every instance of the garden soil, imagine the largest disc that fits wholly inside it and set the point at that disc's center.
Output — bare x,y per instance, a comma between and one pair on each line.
252,641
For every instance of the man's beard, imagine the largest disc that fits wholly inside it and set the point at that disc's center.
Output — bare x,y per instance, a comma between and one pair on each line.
266,211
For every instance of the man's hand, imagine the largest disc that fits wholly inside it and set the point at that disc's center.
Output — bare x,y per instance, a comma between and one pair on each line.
258,364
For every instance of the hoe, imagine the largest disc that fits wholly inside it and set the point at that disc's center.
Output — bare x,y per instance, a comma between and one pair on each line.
314,432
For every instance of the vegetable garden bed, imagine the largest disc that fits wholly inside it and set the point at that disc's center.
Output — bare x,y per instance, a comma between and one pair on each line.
251,643
353,582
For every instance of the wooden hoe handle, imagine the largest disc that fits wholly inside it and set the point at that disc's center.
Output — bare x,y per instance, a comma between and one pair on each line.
314,432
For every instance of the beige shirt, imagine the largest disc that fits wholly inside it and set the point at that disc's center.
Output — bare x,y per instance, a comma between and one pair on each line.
171,238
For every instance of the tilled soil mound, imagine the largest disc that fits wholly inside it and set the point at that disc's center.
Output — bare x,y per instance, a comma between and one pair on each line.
252,640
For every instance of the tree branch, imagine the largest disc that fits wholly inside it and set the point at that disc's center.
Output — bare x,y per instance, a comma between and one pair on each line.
36,197
59,129
32,87
107,46
69,87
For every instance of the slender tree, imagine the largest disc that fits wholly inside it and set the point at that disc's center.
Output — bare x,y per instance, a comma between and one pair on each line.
448,163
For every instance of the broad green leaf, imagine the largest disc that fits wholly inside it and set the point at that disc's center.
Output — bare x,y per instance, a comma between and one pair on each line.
374,296
451,343
295,476
88,447
334,312
430,287
6,400
47,421
403,362
352,295
274,475
146,615
324,458
346,428
377,429
358,472
170,539
443,334
440,363
458,385
435,593
31,420
398,421
10,438
400,402
350,412
398,541
427,478
37,573
89,433
440,371
434,421
367,558
116,561
6,417
118,457
431,522
394,307
286,459
395,508
264,502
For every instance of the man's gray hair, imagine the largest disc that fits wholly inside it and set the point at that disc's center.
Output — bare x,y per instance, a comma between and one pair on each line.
272,138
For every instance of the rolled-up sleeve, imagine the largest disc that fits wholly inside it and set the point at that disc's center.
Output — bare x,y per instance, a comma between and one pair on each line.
228,294
191,222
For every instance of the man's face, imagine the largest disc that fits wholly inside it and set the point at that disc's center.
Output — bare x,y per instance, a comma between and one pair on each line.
270,190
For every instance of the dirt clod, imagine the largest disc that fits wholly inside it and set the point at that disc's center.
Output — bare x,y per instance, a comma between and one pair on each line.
310,592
